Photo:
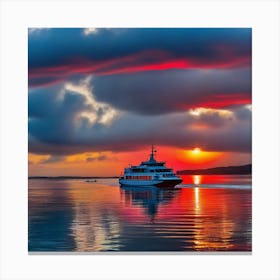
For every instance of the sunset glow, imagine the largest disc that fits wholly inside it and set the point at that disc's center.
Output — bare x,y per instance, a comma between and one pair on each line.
139,140
197,179
197,156
196,151
97,103
210,111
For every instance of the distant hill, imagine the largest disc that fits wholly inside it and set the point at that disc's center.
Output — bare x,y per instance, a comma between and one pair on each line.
238,170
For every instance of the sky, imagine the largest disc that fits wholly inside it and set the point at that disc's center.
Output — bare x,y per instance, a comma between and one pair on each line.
99,97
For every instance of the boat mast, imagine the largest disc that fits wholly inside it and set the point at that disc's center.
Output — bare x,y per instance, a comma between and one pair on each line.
152,153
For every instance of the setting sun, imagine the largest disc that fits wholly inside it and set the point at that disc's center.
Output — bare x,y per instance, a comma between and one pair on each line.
198,157
196,151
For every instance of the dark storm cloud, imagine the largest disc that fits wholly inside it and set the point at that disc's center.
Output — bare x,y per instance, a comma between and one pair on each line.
57,131
51,118
161,92
236,138
57,54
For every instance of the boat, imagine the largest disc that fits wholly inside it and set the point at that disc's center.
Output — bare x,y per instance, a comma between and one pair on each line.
91,181
150,173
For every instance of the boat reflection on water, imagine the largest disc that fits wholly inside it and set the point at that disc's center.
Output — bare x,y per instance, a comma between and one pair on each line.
148,197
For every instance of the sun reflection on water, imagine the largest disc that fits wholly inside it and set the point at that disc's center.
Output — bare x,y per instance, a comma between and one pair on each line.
196,198
197,179
212,234
102,217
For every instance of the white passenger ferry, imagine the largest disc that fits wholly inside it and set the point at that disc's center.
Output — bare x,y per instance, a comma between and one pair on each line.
149,173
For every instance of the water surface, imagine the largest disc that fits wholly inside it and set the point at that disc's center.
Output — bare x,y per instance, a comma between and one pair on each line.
205,213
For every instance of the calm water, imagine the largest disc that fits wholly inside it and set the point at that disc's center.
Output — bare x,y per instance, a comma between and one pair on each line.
205,213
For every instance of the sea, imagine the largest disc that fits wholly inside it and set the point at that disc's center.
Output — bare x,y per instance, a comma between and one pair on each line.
205,213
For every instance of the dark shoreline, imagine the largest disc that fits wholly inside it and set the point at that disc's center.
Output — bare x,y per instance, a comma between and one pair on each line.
227,170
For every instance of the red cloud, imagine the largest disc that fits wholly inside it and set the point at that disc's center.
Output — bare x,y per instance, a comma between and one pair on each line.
224,101
139,62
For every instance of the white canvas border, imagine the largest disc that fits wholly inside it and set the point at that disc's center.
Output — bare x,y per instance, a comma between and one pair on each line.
262,16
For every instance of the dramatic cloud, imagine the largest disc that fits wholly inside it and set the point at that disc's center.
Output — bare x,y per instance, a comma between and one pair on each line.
60,130
62,53
98,90
169,91
61,109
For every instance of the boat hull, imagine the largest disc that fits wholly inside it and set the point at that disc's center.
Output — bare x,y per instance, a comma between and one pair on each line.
156,183
169,183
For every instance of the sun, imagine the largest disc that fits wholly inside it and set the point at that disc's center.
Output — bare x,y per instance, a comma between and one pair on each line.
198,157
196,151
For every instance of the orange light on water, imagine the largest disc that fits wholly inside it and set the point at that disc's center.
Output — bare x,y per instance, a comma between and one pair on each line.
197,179
196,198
